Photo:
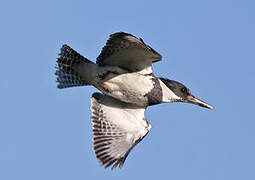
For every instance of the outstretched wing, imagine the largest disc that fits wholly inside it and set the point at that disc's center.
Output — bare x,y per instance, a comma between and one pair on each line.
117,128
127,51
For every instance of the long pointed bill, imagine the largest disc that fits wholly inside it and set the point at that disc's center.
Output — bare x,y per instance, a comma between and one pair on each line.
194,100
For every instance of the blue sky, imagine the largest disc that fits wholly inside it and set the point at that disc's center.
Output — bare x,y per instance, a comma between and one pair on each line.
45,133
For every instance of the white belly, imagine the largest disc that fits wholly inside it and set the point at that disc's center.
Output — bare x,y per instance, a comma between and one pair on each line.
128,87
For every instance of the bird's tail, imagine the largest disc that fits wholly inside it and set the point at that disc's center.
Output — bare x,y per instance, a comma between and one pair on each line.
67,76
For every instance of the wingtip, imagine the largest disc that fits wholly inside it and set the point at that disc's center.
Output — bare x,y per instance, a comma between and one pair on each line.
121,34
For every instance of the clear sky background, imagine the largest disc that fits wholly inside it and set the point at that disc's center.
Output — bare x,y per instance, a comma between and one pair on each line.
45,133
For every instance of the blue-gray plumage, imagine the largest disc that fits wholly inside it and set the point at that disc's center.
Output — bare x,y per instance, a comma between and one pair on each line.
155,95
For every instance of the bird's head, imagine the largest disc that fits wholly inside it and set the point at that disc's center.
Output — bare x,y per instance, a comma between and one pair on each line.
183,93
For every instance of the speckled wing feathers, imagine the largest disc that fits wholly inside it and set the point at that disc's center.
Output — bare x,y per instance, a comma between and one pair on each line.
117,128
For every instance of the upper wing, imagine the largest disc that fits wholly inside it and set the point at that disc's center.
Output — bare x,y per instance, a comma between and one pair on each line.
127,51
117,128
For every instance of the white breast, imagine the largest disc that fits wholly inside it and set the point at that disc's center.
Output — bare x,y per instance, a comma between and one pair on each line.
129,87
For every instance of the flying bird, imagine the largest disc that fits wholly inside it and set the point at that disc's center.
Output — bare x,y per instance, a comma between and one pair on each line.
123,73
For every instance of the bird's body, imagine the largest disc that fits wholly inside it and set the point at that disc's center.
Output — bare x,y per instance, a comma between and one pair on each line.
130,87
124,75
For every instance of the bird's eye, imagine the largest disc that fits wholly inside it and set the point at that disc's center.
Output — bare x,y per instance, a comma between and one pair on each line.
184,90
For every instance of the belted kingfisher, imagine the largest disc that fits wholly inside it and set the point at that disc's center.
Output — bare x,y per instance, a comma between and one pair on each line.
123,73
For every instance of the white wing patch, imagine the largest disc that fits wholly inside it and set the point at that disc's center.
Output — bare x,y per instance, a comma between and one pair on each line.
117,128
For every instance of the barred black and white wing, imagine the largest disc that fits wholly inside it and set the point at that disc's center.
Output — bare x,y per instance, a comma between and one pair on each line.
127,51
117,128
